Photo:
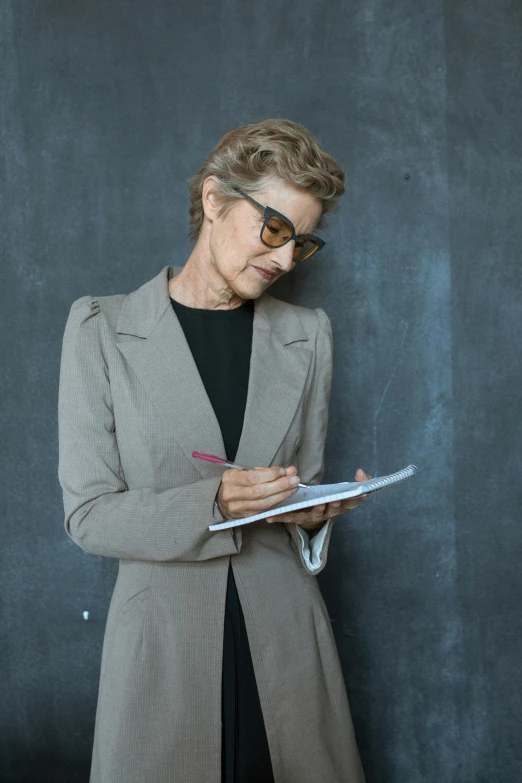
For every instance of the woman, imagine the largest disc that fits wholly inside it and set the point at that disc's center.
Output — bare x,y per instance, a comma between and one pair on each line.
219,662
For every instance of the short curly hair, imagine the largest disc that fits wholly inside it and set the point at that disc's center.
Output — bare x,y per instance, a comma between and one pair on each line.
250,155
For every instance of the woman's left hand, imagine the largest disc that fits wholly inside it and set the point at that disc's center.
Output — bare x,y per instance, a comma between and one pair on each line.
315,516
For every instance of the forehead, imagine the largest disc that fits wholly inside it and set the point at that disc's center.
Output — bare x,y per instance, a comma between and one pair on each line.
297,204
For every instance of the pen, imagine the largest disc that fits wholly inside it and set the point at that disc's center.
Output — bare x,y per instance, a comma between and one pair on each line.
211,458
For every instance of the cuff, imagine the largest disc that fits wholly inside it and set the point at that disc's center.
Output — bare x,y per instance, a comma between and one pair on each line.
311,548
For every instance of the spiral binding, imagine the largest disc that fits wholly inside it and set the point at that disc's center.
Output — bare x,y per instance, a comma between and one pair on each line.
397,478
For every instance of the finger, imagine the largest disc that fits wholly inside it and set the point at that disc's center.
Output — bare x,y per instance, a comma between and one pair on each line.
319,512
245,495
351,503
288,517
263,481
266,475
262,497
259,475
314,512
257,505
360,475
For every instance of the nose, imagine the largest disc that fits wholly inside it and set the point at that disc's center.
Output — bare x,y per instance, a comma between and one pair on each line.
284,256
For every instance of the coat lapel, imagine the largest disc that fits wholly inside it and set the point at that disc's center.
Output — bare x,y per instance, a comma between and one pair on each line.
151,338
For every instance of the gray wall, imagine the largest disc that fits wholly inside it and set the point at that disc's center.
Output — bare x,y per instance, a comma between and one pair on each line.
105,110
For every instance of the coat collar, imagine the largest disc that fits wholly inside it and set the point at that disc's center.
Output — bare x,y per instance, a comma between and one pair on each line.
152,340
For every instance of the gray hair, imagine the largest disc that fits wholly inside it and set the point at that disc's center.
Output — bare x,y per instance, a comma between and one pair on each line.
249,156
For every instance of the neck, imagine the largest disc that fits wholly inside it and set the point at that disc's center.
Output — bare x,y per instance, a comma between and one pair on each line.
200,285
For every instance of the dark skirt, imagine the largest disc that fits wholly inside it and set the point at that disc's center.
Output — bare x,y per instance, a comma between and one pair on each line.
245,757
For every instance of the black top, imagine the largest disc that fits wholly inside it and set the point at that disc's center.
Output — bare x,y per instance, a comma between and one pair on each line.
221,344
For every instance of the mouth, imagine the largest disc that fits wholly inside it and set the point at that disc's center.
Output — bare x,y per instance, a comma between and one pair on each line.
264,273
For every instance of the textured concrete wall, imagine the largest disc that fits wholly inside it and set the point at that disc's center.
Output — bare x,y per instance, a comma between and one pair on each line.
105,110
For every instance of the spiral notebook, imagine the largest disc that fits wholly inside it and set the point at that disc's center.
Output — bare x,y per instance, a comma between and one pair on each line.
324,493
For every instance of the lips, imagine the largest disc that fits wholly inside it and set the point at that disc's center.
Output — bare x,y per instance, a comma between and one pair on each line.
264,273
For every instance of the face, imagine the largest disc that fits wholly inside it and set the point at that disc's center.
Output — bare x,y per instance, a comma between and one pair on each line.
234,240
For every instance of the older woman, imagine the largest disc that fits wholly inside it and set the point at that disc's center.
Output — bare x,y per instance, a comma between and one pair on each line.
219,662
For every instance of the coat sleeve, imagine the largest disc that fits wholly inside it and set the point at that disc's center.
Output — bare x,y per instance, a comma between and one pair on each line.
102,515
312,550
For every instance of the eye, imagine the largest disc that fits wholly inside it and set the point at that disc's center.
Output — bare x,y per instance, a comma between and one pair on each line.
277,226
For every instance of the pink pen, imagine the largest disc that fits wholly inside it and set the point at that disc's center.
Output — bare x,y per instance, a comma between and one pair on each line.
211,458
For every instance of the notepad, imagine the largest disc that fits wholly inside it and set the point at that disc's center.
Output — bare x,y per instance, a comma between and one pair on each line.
324,493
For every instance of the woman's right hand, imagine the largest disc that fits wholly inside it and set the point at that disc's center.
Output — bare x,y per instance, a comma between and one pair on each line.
243,493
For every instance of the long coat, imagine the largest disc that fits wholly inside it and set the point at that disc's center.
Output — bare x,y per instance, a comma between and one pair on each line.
131,409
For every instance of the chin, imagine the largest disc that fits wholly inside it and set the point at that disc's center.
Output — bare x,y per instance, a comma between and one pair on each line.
253,293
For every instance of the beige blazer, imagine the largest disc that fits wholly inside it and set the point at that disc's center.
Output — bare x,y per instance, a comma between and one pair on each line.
131,409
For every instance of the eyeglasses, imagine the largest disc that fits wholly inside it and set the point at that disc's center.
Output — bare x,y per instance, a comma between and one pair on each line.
277,230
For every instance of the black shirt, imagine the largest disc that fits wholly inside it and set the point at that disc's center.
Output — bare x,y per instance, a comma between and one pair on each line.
221,344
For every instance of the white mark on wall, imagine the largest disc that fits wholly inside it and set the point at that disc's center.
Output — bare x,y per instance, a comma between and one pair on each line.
377,413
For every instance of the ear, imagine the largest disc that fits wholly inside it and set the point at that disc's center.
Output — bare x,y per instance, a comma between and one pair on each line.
210,197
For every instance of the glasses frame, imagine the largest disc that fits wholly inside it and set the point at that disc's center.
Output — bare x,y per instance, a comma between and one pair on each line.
269,213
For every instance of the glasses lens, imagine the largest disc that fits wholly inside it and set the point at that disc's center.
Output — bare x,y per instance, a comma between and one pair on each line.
304,249
276,232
